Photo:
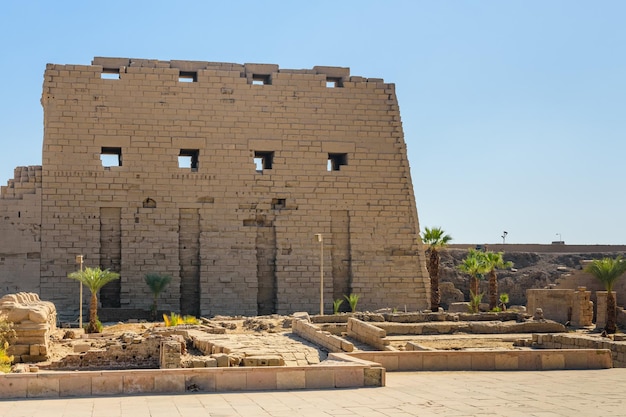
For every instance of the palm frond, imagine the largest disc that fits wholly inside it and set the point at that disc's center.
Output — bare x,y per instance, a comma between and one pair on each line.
495,260
435,237
607,270
474,264
157,282
94,278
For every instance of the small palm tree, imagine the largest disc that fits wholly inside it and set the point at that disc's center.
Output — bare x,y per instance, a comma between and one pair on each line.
495,261
436,239
504,300
94,279
353,299
157,283
336,304
608,270
475,266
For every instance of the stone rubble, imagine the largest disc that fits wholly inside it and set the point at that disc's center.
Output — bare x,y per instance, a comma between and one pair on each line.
33,321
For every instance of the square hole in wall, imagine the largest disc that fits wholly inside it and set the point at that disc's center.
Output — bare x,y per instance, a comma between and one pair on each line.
261,79
188,159
110,74
279,203
333,82
336,160
263,160
111,157
187,77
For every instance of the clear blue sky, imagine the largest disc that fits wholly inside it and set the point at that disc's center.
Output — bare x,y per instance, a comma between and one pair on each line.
514,112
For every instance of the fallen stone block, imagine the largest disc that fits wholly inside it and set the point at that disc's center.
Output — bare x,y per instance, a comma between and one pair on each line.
222,360
198,363
462,307
81,347
38,350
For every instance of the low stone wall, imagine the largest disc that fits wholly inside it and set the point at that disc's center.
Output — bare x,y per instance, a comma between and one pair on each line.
473,327
369,334
143,353
563,306
341,372
33,320
569,341
475,360
424,317
322,338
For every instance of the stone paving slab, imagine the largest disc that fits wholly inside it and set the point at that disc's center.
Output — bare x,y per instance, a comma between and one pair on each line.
424,394
293,349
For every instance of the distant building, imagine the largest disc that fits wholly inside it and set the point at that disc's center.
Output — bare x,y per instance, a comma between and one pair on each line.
220,175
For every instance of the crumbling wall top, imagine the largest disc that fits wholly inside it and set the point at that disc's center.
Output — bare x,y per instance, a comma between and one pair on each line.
246,70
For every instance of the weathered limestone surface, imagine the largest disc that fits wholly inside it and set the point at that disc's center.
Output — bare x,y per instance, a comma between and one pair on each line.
266,349
573,341
169,356
368,333
313,334
473,327
503,360
132,351
354,373
562,305
33,321
219,174
20,228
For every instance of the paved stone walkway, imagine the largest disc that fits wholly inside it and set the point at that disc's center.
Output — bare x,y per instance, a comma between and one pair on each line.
293,349
423,394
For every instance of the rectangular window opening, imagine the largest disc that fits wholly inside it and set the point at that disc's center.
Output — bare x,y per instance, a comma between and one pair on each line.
260,79
111,157
110,74
333,82
279,203
188,159
336,160
187,77
263,160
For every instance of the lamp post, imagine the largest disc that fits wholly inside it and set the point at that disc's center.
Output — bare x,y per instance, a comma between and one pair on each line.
560,238
320,239
79,260
504,236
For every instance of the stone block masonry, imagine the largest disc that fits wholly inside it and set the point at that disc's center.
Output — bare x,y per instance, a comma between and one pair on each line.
33,322
368,333
20,228
563,305
220,175
329,341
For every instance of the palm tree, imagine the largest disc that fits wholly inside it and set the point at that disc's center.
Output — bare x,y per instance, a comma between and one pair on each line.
436,239
157,283
475,266
495,261
608,270
94,279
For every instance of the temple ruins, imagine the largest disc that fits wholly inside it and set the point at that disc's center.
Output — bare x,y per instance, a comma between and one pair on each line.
220,175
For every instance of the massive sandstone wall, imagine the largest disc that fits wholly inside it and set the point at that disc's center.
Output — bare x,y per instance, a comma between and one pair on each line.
20,231
220,175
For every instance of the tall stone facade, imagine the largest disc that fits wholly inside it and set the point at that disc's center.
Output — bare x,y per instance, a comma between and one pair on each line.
220,175
20,232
